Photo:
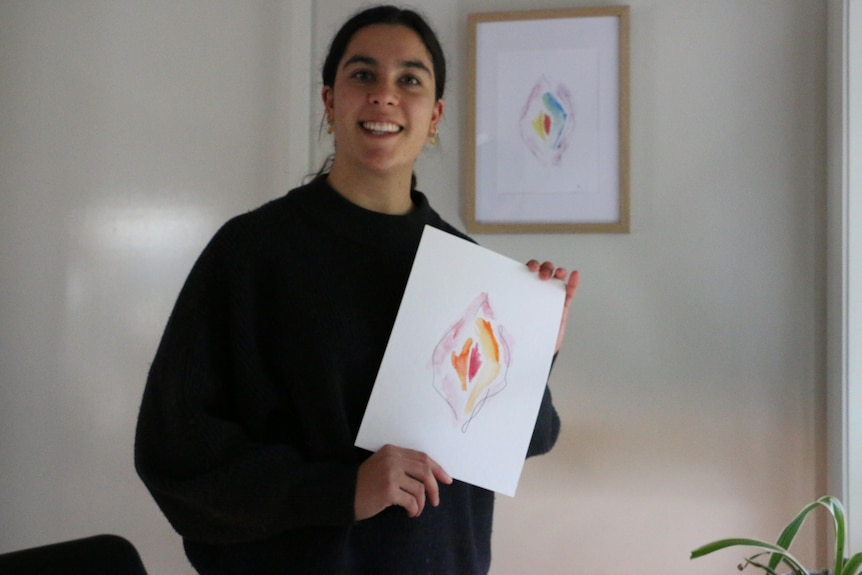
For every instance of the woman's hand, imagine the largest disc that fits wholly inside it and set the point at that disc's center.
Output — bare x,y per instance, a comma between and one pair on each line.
547,271
397,476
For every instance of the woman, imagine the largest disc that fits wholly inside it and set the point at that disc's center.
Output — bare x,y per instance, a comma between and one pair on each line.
253,401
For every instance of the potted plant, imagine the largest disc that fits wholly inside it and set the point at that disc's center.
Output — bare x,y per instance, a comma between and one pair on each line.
778,553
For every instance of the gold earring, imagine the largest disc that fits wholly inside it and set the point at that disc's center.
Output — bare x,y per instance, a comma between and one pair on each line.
432,139
330,127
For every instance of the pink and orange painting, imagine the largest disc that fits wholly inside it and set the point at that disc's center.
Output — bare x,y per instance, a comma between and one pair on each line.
471,361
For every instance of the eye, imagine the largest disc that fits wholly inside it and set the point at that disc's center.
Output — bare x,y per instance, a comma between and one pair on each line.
411,80
362,75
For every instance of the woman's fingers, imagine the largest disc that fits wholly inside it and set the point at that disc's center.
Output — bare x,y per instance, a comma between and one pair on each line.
426,472
571,288
409,494
398,476
546,271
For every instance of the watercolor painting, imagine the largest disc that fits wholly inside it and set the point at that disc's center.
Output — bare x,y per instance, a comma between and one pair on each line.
548,121
467,362
471,361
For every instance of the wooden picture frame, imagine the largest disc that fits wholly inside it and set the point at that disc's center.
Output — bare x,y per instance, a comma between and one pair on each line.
547,122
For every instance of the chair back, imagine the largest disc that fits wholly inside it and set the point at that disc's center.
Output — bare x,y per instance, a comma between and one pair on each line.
97,555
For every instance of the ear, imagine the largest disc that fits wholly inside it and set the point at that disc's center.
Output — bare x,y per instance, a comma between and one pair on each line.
436,115
326,94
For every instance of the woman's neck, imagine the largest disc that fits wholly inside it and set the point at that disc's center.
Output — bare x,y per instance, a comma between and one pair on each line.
383,193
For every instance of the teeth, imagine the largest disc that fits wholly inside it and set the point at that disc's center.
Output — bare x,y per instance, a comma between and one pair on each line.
381,127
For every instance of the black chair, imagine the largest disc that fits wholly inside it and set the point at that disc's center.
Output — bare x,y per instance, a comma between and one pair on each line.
97,555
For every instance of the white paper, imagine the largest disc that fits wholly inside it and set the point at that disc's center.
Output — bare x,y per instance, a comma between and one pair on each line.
467,397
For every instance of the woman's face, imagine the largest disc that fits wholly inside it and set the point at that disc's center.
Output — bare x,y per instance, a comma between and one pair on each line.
382,103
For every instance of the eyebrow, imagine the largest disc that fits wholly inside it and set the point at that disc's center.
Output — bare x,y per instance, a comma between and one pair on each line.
369,61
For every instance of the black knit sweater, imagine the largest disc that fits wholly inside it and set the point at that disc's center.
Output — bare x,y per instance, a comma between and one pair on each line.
253,401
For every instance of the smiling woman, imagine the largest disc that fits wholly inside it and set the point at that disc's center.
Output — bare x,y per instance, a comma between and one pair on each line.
254,399
383,108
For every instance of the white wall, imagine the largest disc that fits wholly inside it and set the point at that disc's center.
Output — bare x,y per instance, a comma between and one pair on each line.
130,131
691,386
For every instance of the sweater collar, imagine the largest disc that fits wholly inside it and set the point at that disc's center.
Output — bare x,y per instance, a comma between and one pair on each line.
395,232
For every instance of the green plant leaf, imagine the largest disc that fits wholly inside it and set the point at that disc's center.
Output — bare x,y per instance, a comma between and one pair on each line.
780,552
766,568
853,565
837,509
792,528
724,544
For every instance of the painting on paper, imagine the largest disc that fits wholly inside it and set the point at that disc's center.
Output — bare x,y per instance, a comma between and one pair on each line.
471,361
547,122
467,362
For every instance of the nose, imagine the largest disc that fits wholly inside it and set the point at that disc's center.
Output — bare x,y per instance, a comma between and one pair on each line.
383,95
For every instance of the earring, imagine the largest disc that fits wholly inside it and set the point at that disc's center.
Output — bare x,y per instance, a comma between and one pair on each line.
330,127
432,139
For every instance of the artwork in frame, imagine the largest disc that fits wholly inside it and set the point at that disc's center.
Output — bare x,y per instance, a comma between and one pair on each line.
547,132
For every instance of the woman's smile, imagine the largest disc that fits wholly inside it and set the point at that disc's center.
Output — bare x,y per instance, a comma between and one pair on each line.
381,128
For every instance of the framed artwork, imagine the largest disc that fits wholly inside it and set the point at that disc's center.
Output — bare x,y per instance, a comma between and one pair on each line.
547,130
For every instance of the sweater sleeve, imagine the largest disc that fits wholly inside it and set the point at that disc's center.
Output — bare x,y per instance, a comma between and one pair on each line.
547,427
213,481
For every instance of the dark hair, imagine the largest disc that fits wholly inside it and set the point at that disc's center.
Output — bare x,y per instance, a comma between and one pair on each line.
392,15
